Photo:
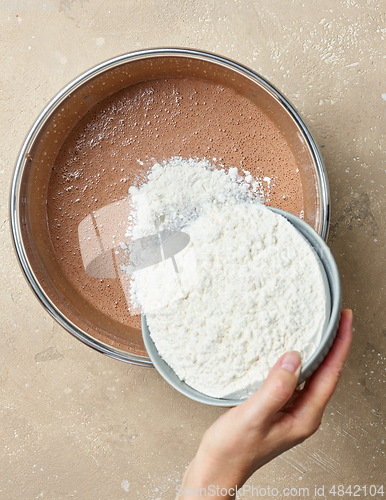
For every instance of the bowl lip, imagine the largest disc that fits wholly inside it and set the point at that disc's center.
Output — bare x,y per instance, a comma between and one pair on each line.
315,360
332,273
52,106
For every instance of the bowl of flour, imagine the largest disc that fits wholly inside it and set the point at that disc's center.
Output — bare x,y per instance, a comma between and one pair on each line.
253,283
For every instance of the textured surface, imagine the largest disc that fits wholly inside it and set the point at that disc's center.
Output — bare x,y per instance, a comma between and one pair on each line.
75,424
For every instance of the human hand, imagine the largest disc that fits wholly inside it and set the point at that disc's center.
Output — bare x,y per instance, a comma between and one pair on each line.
270,422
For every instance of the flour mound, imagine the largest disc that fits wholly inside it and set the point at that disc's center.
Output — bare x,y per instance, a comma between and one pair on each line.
177,189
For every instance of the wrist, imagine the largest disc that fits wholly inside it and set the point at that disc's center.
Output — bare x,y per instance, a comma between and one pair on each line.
209,491
206,477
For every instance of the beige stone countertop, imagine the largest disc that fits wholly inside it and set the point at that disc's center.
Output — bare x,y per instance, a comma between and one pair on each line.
77,424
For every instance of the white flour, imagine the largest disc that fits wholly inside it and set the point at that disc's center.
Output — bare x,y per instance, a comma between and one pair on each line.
176,190
249,287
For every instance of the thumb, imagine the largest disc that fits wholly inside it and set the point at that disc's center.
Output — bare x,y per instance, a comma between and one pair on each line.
277,388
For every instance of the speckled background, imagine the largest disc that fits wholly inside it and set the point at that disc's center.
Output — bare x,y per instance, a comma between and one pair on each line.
76,424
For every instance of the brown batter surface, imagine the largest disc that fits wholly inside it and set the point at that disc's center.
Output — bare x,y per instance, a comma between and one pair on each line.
116,143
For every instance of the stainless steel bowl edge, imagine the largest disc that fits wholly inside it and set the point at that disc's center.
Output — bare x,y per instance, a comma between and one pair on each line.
52,107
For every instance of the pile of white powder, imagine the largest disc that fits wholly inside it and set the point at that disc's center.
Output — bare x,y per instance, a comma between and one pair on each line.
249,287
177,189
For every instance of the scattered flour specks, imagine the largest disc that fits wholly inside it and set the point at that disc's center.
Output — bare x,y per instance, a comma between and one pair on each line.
125,485
60,57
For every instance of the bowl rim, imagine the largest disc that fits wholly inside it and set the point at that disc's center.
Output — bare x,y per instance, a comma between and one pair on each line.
52,106
326,258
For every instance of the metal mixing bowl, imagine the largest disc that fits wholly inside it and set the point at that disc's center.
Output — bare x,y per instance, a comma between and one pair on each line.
40,149
328,336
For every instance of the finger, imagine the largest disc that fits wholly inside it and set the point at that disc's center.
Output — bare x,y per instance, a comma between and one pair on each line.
277,389
320,387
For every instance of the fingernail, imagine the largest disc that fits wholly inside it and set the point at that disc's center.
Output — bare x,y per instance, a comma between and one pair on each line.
291,361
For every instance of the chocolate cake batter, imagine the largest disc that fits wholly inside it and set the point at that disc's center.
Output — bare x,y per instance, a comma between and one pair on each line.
116,143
